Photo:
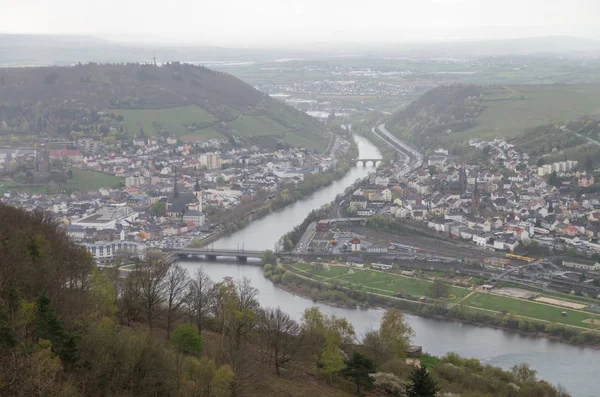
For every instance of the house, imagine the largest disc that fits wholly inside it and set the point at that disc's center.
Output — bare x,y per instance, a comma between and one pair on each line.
386,195
323,226
581,265
195,217
481,239
358,201
76,232
355,244
71,156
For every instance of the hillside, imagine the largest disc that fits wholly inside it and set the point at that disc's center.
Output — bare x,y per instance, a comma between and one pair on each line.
437,113
460,112
181,100
68,329
575,140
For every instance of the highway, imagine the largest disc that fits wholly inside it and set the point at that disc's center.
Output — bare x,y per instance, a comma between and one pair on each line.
414,156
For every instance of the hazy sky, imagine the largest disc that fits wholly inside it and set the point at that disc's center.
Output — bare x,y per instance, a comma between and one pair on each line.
268,22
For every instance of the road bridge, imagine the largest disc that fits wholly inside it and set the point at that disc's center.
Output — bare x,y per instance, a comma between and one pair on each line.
365,162
211,254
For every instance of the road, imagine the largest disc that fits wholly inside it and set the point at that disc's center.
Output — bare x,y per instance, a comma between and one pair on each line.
307,237
414,156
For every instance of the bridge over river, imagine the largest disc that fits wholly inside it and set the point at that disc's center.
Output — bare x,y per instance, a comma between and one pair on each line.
212,254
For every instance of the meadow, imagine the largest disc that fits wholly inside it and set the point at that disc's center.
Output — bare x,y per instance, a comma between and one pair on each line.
83,181
173,119
376,281
512,110
534,310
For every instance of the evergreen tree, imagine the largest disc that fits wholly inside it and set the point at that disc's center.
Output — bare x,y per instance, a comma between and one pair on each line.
359,368
7,334
49,327
421,384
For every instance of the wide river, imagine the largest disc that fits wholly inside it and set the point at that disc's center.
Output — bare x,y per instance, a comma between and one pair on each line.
577,369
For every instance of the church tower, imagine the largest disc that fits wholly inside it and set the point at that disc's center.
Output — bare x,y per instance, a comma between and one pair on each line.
198,193
462,178
476,199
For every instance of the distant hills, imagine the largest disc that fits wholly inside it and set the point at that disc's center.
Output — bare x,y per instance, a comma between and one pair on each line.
547,45
437,113
28,50
179,100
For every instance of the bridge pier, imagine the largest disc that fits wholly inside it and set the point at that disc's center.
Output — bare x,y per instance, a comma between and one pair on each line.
211,257
242,259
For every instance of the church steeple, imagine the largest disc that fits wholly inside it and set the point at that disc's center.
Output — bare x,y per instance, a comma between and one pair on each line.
197,187
175,189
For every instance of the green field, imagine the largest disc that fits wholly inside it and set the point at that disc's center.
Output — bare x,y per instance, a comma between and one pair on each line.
256,126
531,309
391,284
83,181
204,134
376,281
173,120
508,114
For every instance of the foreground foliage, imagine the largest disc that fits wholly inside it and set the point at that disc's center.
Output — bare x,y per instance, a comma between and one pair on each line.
92,333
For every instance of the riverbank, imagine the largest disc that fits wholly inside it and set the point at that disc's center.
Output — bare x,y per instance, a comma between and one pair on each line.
348,296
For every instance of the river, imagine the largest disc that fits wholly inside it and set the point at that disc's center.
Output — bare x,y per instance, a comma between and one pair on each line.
573,367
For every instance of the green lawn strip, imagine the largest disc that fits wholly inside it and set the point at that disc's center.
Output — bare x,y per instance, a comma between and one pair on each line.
397,284
530,309
334,271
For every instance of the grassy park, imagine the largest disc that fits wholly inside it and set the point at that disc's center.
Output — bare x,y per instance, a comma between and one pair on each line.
534,310
390,284
375,281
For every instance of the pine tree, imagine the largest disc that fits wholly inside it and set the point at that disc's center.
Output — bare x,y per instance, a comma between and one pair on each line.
421,384
359,368
8,339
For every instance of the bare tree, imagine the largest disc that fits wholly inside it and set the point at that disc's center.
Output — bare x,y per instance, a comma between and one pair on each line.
176,285
129,301
201,298
281,337
373,341
150,278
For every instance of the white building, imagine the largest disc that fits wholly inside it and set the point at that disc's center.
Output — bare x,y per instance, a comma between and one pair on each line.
210,160
108,217
134,181
589,265
195,217
106,251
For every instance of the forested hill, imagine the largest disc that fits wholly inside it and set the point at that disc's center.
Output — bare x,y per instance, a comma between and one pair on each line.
437,113
172,100
575,140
